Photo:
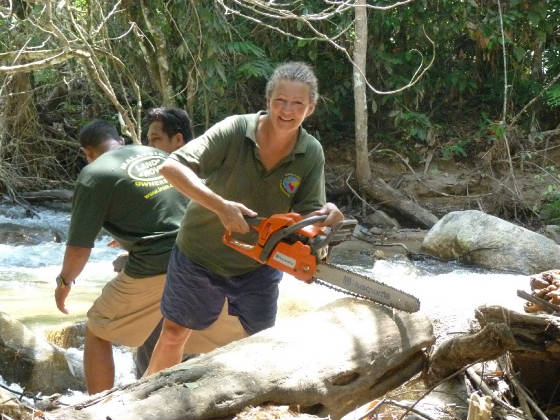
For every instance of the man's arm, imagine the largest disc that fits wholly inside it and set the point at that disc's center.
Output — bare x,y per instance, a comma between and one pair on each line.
75,259
187,182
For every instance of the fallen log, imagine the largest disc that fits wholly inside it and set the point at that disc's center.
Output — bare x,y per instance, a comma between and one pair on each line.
325,362
378,190
536,358
454,354
65,195
535,335
532,341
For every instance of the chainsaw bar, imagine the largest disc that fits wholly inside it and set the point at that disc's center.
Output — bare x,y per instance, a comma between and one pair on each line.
358,285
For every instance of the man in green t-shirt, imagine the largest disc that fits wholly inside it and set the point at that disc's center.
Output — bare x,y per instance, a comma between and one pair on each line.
121,191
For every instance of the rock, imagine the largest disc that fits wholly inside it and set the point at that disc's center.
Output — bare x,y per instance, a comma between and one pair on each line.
327,362
14,234
30,361
69,336
474,237
390,241
381,219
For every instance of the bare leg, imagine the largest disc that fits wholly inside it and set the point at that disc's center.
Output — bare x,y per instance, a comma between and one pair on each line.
169,348
99,366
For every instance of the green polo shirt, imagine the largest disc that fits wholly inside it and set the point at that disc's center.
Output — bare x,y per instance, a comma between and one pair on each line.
123,192
226,157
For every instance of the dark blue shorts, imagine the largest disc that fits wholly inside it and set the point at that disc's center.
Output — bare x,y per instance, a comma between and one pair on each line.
193,296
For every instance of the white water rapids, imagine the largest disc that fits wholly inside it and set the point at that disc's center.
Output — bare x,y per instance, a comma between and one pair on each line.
448,292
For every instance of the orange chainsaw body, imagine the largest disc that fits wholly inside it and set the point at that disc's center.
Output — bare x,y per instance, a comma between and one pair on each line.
294,258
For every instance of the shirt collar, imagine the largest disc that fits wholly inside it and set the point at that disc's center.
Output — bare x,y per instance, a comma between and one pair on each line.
251,133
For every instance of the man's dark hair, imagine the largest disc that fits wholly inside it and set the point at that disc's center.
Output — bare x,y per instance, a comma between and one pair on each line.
173,121
97,132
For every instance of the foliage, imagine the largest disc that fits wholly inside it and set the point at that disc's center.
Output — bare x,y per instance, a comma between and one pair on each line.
413,125
550,206
553,96
458,149
212,63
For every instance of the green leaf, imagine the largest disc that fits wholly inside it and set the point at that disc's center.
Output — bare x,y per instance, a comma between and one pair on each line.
221,72
519,53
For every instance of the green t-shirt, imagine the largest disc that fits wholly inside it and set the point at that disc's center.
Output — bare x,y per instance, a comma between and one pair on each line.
226,157
123,192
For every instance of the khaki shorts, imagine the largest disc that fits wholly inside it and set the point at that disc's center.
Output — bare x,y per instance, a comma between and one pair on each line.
224,330
127,310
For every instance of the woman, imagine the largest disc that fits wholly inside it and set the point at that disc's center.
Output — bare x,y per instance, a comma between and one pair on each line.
255,164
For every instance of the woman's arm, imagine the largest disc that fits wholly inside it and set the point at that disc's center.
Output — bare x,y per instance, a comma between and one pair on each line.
187,182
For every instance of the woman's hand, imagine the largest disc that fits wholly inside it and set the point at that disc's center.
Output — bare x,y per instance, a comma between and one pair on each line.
232,215
334,215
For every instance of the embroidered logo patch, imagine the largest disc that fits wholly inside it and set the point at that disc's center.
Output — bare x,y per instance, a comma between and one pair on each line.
290,183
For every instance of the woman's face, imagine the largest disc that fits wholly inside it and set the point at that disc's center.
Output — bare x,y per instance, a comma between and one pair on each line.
289,104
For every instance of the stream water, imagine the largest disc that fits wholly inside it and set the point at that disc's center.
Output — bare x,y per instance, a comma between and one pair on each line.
448,292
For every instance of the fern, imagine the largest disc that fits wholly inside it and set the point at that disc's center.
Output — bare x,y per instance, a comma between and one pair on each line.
255,68
245,48
552,96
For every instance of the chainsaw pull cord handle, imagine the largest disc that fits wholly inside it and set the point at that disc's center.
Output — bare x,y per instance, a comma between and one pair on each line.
288,230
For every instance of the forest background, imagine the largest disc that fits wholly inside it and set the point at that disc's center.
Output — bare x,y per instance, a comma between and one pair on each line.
473,83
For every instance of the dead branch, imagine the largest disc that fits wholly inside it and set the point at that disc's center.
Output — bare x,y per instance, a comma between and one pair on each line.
532,101
258,10
486,390
76,43
524,398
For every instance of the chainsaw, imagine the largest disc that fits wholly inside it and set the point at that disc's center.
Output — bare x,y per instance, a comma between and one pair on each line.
298,247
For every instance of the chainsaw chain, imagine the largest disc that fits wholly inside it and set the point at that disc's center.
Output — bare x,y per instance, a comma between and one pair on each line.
348,292
341,290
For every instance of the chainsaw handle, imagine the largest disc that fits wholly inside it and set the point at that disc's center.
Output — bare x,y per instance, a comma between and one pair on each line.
253,220
251,250
281,234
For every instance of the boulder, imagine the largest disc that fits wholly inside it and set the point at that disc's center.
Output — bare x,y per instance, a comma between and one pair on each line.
477,238
29,360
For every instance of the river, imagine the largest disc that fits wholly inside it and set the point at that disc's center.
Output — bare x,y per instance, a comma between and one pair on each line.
448,292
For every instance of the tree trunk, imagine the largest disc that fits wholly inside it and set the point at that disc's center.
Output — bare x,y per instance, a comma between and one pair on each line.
326,362
161,59
363,171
